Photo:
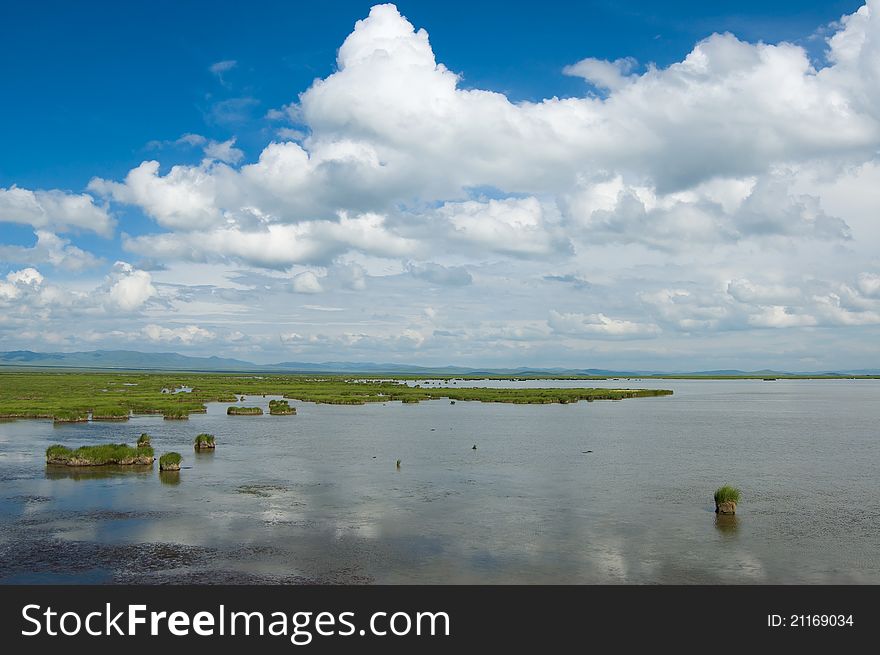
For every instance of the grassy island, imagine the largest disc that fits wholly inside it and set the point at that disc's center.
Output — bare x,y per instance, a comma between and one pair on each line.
170,461
73,395
204,442
244,411
108,454
110,413
143,440
280,408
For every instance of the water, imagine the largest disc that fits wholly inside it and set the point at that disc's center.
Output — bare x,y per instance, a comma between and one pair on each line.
316,497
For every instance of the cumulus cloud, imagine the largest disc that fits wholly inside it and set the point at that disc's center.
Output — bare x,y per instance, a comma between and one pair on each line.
306,282
54,210
130,288
50,249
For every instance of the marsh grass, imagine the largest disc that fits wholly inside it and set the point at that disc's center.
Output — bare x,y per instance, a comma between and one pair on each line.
280,408
143,440
170,461
727,494
71,395
105,454
204,441
243,411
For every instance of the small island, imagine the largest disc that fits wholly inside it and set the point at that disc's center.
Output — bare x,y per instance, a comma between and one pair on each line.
108,454
204,442
280,408
143,440
170,461
176,415
110,414
243,411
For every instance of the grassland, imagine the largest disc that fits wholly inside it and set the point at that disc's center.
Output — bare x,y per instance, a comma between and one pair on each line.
66,396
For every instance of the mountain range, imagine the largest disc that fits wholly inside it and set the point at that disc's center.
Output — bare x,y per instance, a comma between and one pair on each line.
135,360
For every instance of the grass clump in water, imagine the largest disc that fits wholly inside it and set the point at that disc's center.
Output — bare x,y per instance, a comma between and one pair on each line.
143,440
280,408
727,494
204,442
170,461
243,411
176,414
105,454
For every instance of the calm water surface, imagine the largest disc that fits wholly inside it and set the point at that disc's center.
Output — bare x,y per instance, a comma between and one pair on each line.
316,497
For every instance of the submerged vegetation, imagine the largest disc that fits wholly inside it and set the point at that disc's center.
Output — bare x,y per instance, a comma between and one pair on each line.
105,454
244,411
73,396
204,442
170,461
280,408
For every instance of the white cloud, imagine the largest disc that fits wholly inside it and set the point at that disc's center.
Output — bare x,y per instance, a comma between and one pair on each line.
598,325
610,75
50,249
222,66
185,335
306,282
54,210
224,151
130,288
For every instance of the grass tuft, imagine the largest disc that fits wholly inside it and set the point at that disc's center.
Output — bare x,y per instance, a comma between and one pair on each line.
204,441
170,461
727,494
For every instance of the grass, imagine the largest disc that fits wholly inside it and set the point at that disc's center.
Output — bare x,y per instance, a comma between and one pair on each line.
143,440
204,441
243,411
170,461
281,408
105,454
112,413
72,396
727,494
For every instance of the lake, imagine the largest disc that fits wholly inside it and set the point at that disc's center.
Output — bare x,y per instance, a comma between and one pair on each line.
601,492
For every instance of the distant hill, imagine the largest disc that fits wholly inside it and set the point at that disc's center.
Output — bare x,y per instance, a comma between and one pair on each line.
135,360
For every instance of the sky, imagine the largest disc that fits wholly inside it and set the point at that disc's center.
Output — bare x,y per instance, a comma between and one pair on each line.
651,186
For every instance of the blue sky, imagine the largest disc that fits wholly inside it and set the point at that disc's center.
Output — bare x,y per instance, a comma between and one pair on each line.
665,185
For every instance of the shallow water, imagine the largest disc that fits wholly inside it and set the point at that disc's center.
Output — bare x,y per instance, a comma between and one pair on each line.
316,497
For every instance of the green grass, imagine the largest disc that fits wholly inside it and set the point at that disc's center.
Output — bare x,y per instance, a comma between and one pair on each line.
204,441
281,408
243,411
727,494
170,461
143,440
121,454
71,396
114,413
